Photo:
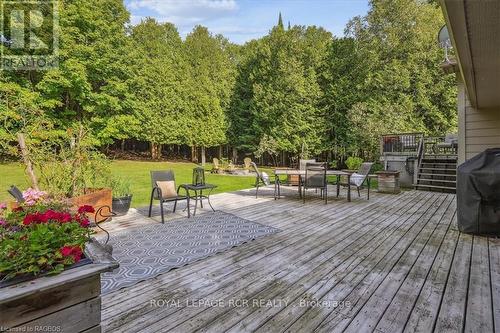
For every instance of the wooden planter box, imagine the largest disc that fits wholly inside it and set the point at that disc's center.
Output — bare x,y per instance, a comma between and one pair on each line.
67,302
293,180
96,197
388,182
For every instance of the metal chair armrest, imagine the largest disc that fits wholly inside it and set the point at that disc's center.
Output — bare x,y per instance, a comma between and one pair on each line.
158,192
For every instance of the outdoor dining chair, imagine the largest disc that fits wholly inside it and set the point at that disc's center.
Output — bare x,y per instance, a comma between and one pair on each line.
164,190
315,178
262,179
360,177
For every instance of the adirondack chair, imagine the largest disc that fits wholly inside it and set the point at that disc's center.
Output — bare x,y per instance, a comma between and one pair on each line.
246,162
215,165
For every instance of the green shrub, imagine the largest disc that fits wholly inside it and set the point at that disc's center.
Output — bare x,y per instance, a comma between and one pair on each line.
67,166
377,167
353,162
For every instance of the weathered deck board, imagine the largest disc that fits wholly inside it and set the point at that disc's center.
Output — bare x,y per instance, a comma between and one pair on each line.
479,311
398,260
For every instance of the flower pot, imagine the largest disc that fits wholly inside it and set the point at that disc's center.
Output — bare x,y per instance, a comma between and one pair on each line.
121,205
95,197
67,302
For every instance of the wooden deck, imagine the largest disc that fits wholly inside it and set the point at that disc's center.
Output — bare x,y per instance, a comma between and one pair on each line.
394,263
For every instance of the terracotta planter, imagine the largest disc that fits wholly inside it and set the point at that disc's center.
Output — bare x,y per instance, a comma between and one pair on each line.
293,180
96,197
67,302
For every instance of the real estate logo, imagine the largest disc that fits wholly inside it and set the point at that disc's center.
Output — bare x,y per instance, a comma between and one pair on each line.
29,35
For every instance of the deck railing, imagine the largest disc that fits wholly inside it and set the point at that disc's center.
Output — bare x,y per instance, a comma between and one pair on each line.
440,146
405,143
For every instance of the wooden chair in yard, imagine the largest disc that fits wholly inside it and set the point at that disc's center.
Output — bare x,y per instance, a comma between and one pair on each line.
164,190
315,178
247,163
215,165
359,178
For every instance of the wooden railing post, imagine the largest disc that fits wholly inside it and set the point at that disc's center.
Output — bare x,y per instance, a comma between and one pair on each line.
27,161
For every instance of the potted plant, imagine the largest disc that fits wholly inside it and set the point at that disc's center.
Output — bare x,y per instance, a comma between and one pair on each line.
121,196
49,267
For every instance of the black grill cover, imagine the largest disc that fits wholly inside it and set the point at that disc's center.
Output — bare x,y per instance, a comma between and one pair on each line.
478,194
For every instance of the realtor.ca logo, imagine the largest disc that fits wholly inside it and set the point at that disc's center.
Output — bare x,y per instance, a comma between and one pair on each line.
29,35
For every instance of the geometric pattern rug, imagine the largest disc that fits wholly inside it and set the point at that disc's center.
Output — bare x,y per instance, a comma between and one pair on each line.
148,251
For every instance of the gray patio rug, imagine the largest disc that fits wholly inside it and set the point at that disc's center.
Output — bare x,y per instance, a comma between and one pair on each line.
148,251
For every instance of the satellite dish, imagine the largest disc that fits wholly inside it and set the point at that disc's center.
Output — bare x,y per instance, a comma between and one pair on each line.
444,41
5,41
444,37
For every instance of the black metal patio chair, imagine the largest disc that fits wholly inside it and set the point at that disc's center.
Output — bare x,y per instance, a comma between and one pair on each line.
261,180
315,178
359,178
159,180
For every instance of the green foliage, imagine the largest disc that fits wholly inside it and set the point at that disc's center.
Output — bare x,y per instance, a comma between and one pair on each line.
353,162
88,87
210,85
311,93
402,88
120,186
267,145
159,71
278,91
67,167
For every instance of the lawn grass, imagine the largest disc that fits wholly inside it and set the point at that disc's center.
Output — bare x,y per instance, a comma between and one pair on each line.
137,173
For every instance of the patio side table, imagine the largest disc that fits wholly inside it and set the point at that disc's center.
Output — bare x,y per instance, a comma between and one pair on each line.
198,195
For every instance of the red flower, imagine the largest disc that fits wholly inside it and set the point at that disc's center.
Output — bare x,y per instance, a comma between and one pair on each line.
86,209
51,215
34,218
28,219
72,251
64,217
84,222
18,209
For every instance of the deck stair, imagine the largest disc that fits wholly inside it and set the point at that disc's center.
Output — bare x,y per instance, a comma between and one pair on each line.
437,173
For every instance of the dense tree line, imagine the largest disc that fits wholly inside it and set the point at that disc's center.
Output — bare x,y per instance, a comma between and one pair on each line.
297,90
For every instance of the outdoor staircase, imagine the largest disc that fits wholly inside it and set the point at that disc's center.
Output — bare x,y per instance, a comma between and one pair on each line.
437,174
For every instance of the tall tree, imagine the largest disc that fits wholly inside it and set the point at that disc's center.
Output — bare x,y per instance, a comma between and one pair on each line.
88,87
159,84
405,88
210,84
279,91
